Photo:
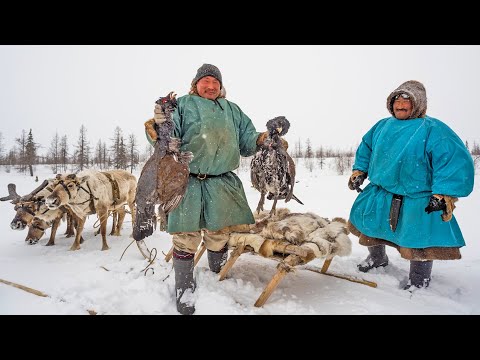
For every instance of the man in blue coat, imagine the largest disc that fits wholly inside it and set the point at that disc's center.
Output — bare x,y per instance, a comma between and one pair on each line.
418,168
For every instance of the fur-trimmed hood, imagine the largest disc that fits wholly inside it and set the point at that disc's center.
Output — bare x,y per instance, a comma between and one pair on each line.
418,96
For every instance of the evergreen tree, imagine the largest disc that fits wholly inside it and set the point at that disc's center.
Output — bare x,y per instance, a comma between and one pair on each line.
308,150
133,157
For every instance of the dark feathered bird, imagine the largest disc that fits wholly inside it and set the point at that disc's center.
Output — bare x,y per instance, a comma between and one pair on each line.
272,170
164,178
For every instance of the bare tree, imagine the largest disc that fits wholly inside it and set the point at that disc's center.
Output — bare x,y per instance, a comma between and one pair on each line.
320,155
98,157
133,156
298,152
63,153
343,163
82,152
21,151
476,154
11,159
2,148
54,153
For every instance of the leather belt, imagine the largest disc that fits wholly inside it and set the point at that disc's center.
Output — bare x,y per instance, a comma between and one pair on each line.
205,176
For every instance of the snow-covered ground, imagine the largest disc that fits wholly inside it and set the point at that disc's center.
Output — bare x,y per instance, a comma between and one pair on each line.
76,281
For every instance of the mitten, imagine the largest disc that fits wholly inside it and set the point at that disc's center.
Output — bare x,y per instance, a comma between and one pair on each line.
442,202
150,129
356,179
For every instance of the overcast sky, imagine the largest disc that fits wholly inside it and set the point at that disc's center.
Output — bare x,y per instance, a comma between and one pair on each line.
331,94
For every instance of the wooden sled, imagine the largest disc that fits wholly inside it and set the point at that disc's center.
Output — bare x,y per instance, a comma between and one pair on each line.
275,237
288,255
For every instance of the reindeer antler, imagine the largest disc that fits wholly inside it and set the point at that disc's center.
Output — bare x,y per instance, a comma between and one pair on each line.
12,194
34,192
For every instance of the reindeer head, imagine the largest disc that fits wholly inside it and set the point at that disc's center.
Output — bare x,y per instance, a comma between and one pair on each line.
168,103
25,206
24,216
36,230
65,188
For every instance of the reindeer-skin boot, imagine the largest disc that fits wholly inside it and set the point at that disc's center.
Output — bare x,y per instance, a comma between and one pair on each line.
184,281
420,272
216,259
377,257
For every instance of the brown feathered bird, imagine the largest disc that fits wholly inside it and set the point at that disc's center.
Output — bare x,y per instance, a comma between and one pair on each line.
272,170
164,178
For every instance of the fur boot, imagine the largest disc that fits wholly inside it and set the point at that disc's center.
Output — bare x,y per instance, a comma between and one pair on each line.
420,272
184,281
377,257
216,259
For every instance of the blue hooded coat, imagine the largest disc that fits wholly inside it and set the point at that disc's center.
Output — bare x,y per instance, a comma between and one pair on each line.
415,158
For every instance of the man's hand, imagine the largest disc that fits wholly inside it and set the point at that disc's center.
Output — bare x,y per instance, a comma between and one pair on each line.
150,129
261,138
442,202
356,179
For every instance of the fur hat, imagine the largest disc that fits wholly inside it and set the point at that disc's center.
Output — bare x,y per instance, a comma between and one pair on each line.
418,96
208,70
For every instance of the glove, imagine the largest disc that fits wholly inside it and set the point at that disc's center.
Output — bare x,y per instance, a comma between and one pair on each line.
263,136
150,129
356,179
442,202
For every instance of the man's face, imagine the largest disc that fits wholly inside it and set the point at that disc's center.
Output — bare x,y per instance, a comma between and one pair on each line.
402,108
208,87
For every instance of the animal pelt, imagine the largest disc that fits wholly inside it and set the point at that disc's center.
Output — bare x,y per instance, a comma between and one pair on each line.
324,237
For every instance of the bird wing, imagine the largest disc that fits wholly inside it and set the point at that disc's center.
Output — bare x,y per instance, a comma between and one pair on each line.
256,171
145,221
146,198
172,182
290,169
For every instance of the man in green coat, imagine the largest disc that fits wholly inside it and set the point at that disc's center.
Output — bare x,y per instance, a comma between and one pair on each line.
418,168
217,132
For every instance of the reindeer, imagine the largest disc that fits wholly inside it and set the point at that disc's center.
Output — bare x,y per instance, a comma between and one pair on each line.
30,209
38,226
94,192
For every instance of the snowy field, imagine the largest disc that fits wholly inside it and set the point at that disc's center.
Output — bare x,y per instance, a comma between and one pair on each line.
77,281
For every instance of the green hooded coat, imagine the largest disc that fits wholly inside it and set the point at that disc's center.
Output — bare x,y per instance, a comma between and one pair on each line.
217,133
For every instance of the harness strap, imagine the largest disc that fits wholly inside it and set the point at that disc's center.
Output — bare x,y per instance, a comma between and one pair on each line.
115,189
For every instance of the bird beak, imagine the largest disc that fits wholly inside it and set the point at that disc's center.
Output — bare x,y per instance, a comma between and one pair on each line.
279,129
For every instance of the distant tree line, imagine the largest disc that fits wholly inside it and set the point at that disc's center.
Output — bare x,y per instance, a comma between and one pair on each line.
123,153
118,153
